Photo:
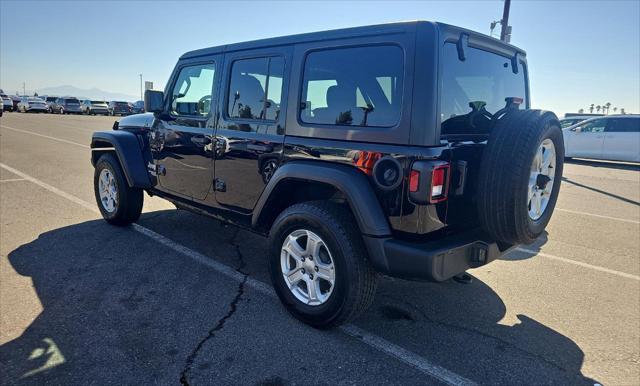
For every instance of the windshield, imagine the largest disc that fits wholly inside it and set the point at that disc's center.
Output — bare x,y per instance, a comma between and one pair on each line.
98,103
476,88
36,100
121,104
71,101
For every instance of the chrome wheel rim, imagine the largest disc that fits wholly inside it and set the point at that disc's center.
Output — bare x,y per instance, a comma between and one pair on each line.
543,170
307,267
108,191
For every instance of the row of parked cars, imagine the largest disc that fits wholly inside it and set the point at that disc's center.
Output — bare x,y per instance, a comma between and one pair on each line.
69,105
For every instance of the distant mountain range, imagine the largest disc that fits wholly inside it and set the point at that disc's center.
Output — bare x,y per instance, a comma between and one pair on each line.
92,93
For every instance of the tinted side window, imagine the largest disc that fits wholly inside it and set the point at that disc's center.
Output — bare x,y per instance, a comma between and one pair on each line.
476,88
624,125
191,94
569,122
595,126
358,86
255,88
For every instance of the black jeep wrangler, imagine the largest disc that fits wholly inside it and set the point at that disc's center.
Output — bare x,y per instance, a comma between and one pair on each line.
407,149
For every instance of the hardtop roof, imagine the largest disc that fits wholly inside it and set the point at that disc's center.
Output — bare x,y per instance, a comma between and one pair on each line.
363,31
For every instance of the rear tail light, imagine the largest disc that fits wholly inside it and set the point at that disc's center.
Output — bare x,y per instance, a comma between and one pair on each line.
439,185
429,182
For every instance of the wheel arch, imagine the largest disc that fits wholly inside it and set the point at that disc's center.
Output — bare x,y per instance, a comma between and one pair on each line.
127,149
298,181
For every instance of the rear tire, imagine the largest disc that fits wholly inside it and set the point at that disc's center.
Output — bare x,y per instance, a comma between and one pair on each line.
509,182
354,280
119,203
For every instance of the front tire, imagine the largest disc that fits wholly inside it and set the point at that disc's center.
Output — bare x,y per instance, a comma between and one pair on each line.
328,280
119,203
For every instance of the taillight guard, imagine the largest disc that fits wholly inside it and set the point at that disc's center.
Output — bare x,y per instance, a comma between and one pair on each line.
429,181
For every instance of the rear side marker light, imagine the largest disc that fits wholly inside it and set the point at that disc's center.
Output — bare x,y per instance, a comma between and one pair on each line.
414,181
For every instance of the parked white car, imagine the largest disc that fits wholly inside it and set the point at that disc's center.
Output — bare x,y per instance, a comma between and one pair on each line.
575,119
7,103
32,104
614,137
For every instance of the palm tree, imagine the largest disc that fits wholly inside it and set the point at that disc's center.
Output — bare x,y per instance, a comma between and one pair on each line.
615,109
598,109
591,109
608,105
580,111
622,111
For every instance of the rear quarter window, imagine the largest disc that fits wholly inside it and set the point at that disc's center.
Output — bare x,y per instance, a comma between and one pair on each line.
353,86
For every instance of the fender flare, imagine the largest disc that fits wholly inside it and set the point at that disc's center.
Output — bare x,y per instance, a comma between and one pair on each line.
351,182
129,153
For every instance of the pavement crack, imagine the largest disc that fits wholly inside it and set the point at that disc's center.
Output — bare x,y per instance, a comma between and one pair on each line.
233,307
239,257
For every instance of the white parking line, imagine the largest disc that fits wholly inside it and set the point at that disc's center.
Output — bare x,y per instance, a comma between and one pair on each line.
44,136
371,340
13,180
598,215
581,264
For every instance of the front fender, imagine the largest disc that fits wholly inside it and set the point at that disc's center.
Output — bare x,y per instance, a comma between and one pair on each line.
129,152
351,182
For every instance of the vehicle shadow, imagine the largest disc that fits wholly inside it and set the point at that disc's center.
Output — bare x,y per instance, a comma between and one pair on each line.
465,328
116,310
525,252
604,164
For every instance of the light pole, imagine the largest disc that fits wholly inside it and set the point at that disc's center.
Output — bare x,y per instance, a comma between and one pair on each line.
505,21
141,93
24,88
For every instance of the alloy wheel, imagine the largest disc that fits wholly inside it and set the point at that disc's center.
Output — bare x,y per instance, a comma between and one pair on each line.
307,267
541,179
108,190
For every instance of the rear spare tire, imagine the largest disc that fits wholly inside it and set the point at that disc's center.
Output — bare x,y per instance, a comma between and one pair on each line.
520,174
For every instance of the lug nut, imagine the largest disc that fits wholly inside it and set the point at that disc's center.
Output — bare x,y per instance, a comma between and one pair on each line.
311,276
316,268
303,271
302,258
310,257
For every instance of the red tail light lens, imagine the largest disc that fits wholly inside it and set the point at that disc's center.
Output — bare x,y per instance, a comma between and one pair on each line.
414,181
439,186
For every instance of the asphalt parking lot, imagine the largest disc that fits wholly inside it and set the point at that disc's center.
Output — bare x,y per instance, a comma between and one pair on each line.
183,298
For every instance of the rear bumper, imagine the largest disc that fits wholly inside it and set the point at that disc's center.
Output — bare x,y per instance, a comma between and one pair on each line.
436,260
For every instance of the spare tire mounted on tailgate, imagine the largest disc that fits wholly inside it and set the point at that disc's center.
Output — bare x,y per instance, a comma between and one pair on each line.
520,175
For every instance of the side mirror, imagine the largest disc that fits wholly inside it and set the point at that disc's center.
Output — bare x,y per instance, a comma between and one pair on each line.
576,129
153,101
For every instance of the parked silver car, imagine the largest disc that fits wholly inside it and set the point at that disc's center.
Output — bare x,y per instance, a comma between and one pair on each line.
32,104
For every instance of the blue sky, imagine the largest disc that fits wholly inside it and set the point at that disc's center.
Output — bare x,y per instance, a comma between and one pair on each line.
579,52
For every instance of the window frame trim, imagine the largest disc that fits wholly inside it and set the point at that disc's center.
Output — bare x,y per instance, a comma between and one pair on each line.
227,89
301,88
174,80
